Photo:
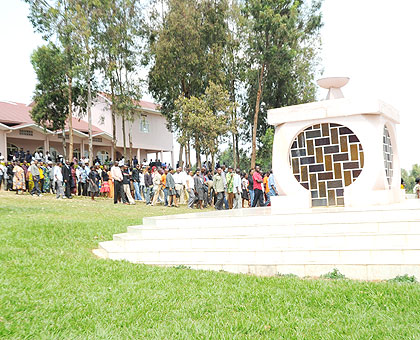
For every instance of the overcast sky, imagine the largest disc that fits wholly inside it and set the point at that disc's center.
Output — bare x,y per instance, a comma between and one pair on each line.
374,42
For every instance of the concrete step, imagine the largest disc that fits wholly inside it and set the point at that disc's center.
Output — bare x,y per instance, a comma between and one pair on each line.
373,243
264,257
221,230
257,216
134,241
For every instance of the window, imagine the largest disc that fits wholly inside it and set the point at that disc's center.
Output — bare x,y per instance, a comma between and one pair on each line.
103,156
11,149
26,132
76,153
144,124
97,139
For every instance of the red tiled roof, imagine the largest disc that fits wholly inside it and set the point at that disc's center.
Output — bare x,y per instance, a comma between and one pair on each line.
18,114
143,103
14,113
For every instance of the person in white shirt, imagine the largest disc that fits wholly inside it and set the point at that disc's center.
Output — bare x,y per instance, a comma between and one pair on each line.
189,182
58,179
237,189
117,177
141,184
2,173
179,187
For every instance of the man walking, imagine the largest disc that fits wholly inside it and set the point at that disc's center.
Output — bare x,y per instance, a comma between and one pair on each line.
118,186
272,188
237,189
34,170
82,176
148,183
135,175
219,189
199,190
170,183
58,179
258,193
67,179
229,187
190,189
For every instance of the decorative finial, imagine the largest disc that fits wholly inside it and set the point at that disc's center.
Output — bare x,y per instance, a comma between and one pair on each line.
333,84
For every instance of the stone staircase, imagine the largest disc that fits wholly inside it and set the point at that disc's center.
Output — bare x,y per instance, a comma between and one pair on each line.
367,244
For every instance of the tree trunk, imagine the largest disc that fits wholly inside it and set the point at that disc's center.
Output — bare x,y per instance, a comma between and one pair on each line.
181,150
189,154
237,149
123,132
63,139
70,119
89,110
130,141
234,150
198,157
212,161
257,109
114,129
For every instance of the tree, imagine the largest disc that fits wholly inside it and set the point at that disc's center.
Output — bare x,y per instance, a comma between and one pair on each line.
185,52
282,38
84,19
234,69
118,42
409,177
51,95
204,120
53,20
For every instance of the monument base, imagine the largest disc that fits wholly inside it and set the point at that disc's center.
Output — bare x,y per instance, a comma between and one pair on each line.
372,243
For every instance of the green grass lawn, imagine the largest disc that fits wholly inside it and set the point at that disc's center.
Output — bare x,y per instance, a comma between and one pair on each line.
52,287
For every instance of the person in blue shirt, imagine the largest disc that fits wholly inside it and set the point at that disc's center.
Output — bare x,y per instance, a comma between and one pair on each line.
272,188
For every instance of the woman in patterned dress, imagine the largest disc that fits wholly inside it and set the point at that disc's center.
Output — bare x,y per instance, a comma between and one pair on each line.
18,179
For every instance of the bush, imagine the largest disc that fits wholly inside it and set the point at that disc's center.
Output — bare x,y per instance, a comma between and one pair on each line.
404,279
290,275
334,275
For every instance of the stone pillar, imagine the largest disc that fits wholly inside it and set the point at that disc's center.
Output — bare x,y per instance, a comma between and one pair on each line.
3,144
139,156
82,149
46,144
157,155
161,155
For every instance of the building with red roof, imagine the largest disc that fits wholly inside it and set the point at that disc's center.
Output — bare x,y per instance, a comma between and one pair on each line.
146,134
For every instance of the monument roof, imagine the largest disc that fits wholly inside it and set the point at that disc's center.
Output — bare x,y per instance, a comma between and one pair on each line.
332,108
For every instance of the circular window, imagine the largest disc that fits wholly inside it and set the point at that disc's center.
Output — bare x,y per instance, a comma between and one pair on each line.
388,156
324,159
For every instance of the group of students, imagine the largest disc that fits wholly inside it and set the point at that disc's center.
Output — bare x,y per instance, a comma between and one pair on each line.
224,188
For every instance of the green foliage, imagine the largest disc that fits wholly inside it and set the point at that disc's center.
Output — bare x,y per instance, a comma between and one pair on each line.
50,96
334,275
265,150
409,178
284,36
204,120
290,276
52,287
226,157
50,108
185,50
181,266
404,279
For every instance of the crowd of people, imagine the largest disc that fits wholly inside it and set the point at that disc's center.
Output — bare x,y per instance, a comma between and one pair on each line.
152,182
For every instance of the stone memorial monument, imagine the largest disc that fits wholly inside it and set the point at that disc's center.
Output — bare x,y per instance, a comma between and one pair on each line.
335,152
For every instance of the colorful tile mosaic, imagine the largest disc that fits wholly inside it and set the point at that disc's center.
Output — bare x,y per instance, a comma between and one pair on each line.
388,156
327,157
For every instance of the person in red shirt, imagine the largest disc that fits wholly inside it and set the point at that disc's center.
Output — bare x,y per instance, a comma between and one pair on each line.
258,192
